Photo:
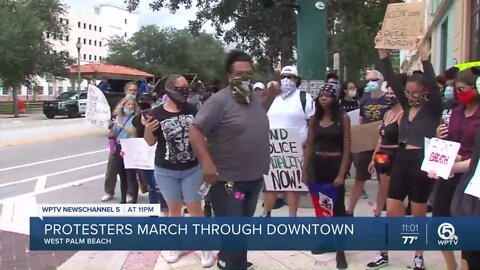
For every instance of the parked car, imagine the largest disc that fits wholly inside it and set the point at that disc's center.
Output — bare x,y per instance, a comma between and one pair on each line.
71,104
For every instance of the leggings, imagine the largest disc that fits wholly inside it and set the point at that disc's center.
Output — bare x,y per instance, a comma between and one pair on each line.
128,177
325,170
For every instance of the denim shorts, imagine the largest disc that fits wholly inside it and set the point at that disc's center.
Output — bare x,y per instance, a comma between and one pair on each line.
180,186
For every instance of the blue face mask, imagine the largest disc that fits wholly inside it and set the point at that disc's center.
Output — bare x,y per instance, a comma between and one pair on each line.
371,86
128,111
449,94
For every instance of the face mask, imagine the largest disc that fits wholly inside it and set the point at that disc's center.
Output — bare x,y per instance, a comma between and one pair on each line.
128,111
391,100
415,100
288,87
449,94
467,96
371,86
352,93
242,89
178,94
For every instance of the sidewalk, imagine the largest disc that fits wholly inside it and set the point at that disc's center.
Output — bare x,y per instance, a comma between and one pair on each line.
268,260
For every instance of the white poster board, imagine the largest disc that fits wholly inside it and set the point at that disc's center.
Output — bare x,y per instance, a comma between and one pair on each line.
440,157
354,117
98,111
138,154
286,161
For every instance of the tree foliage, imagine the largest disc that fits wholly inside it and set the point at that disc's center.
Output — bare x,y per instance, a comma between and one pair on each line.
24,51
269,34
165,51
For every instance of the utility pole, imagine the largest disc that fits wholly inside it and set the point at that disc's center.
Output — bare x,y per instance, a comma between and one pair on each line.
79,46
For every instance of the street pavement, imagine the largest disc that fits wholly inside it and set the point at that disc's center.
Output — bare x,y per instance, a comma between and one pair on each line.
64,161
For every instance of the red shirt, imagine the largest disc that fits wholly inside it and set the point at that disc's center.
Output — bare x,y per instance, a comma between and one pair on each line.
462,129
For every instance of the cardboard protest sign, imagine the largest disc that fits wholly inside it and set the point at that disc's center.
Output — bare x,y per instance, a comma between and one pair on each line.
98,111
401,25
365,137
138,154
286,161
440,157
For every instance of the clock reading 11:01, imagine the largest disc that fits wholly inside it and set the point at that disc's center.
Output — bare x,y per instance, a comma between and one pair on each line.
410,233
410,228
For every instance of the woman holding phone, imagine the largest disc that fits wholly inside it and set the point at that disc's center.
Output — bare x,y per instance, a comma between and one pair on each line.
177,170
459,127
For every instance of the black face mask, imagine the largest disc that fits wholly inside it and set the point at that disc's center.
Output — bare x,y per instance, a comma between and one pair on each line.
179,95
391,101
144,106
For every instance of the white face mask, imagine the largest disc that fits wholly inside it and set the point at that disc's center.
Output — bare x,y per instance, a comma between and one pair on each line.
352,93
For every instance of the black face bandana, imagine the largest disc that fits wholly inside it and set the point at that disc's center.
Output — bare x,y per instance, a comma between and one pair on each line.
179,95
391,100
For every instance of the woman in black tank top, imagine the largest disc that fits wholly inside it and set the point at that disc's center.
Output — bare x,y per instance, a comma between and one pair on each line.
384,155
422,104
327,157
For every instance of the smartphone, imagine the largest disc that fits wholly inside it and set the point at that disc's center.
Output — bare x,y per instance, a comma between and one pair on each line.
446,119
147,113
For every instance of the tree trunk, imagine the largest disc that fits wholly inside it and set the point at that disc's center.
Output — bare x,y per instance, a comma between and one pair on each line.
15,100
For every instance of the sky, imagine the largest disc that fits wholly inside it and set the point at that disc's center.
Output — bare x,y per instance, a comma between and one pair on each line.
161,18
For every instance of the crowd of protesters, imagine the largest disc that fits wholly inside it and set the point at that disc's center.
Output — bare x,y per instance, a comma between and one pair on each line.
212,145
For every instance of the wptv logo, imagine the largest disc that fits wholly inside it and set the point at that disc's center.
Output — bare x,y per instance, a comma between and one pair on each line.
446,232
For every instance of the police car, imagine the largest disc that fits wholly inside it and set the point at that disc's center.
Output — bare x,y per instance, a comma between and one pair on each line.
71,104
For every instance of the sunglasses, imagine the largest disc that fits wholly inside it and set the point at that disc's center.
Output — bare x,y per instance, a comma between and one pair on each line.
290,77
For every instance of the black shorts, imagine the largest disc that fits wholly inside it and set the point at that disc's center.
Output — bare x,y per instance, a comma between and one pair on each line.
325,168
407,179
385,166
472,258
361,162
443,196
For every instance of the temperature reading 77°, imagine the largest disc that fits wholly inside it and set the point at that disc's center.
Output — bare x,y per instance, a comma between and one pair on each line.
408,239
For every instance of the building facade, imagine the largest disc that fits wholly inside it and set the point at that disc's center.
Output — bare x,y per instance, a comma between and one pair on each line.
453,29
92,31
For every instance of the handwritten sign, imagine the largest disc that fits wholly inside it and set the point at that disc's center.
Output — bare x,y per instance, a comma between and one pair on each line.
440,157
98,110
286,161
401,25
138,154
473,187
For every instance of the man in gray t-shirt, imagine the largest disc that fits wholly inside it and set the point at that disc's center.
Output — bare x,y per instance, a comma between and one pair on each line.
235,123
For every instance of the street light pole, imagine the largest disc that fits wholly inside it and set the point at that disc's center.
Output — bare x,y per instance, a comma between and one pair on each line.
79,46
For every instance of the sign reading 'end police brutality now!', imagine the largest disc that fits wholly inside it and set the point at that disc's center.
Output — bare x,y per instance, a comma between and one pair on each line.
151,233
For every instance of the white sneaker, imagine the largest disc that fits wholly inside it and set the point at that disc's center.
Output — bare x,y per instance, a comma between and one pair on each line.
207,259
107,197
173,256
129,198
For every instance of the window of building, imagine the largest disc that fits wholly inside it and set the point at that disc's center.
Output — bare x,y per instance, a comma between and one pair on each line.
95,58
50,90
95,43
69,89
100,58
89,27
84,26
475,31
95,28
89,42
67,21
84,57
125,21
60,89
79,40
55,36
100,29
90,57
67,54
100,43
48,35
443,44
79,24
84,41
67,38
29,91
125,35
60,37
